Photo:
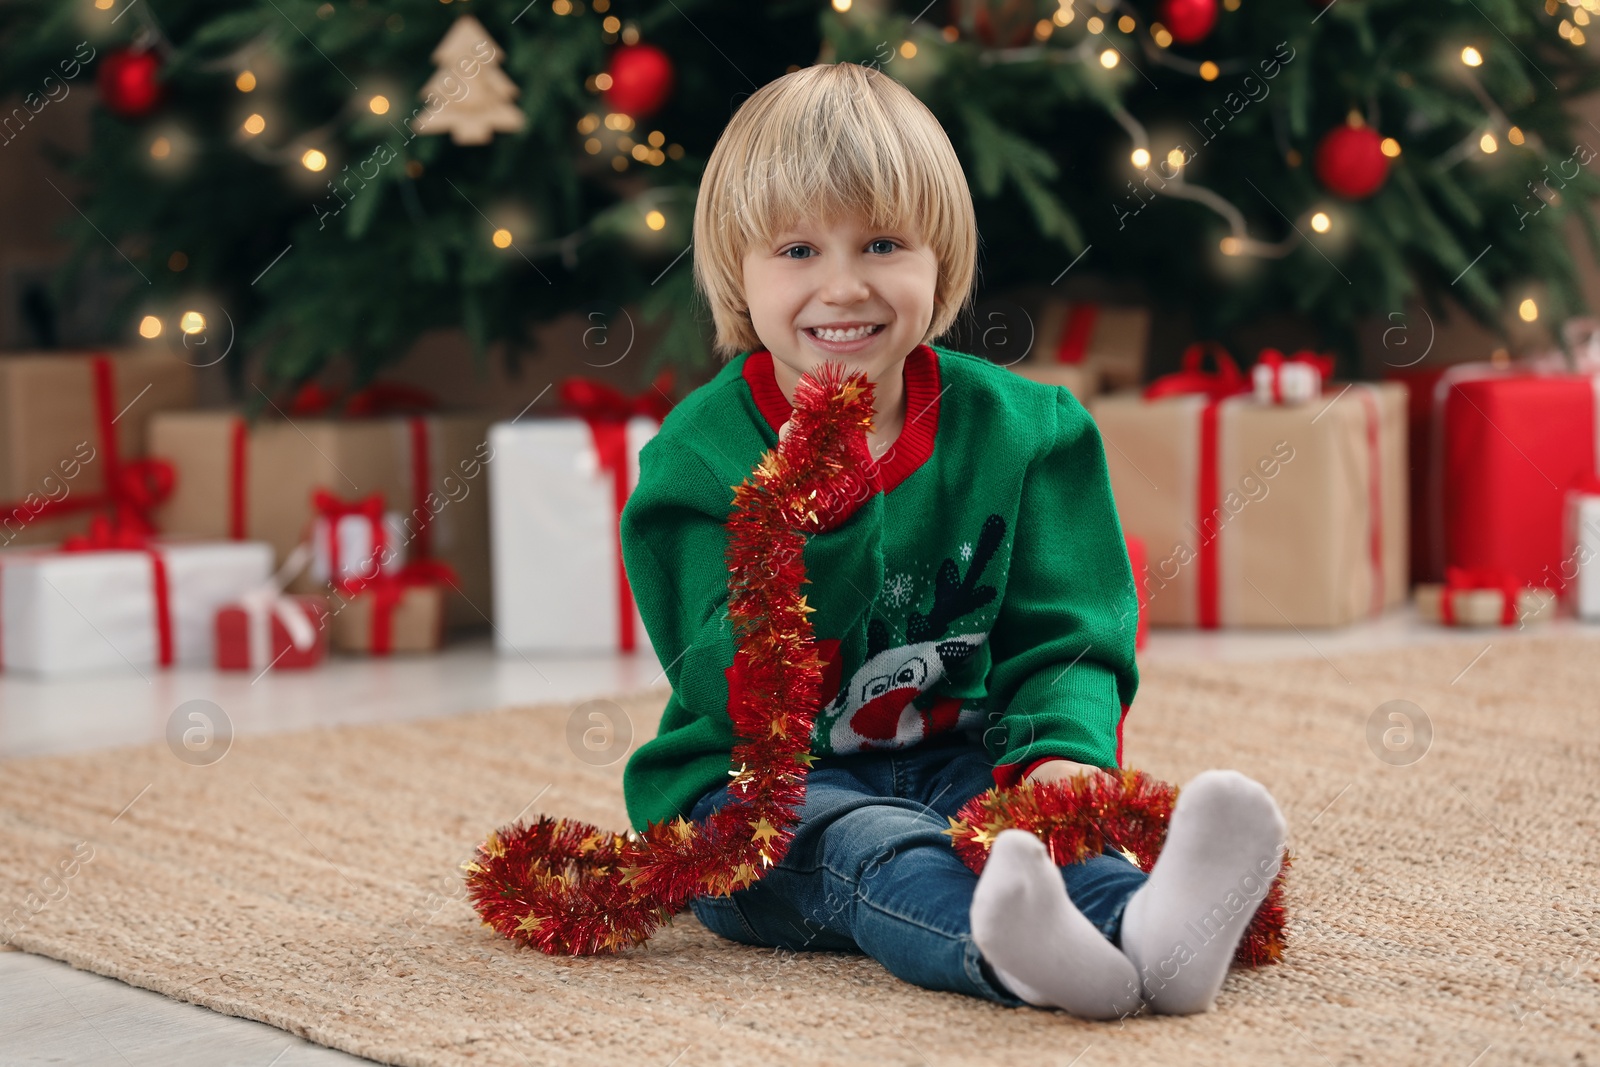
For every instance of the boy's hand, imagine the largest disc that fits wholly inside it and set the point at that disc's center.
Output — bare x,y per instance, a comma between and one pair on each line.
783,431
1059,769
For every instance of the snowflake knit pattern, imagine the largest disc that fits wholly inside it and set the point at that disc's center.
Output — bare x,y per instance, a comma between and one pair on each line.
977,592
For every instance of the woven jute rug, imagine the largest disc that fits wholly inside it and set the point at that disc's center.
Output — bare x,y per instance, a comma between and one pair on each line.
1443,892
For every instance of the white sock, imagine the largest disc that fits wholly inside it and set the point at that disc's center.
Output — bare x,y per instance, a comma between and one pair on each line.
1224,846
1036,940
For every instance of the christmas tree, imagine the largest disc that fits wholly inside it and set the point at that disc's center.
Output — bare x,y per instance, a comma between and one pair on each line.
1235,158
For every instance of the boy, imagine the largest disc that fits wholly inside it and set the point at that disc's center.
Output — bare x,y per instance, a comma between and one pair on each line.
973,600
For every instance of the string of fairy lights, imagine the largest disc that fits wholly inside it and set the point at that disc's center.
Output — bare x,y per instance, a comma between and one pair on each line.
1106,32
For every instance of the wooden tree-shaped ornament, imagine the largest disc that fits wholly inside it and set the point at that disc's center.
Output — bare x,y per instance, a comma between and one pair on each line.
477,94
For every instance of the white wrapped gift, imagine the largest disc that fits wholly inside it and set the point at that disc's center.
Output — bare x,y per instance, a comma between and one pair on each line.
348,531
553,528
1581,564
107,609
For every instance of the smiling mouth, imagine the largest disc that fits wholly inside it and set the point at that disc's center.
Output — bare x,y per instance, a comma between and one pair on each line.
854,334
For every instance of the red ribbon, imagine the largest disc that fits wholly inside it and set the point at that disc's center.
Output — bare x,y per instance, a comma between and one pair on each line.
1466,579
103,536
607,410
333,508
1216,386
1271,357
1075,335
379,398
131,490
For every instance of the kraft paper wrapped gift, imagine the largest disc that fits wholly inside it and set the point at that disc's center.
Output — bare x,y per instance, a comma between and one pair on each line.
1088,347
239,480
388,618
116,609
1260,514
555,508
67,422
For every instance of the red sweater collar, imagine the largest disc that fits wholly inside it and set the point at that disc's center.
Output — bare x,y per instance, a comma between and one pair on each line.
915,443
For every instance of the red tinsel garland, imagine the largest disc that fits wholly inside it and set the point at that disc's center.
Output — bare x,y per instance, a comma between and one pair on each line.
568,888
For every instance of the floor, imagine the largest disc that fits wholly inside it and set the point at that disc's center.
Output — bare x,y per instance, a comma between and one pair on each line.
53,1014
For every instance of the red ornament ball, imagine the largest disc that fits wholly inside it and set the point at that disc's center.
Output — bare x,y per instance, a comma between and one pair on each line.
1189,21
128,81
641,79
1350,161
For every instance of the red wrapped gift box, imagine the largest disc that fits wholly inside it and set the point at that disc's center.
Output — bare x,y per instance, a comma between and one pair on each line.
234,652
1507,448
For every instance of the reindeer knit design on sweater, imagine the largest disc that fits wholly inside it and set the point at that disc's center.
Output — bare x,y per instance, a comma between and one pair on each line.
978,593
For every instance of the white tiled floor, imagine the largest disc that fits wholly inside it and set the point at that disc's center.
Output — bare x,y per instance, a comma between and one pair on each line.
51,1014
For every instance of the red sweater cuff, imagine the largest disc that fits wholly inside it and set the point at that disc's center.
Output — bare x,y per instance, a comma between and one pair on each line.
1007,775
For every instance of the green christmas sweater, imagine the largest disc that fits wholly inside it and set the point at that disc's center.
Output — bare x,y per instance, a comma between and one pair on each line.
980,593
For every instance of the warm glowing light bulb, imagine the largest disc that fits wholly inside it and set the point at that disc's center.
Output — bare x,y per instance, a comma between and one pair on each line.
1141,158
1232,246
1095,24
841,5
1108,58
160,148
908,49
1514,135
313,160
254,125
1389,147
502,238
1209,71
246,81
149,326
1488,143
1163,37
1320,222
1471,56
1175,158
192,322
1528,310
379,105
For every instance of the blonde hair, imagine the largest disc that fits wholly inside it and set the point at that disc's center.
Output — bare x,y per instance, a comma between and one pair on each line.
822,143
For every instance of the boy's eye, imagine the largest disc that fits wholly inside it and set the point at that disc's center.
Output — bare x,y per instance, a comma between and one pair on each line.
884,241
796,248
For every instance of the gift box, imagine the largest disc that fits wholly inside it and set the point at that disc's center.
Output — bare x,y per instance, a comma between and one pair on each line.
395,613
1088,347
114,600
272,631
256,480
72,439
557,490
1580,561
1260,514
1482,598
1508,443
354,538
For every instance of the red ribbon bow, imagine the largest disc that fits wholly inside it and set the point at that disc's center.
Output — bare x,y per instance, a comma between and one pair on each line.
1227,380
379,398
1466,579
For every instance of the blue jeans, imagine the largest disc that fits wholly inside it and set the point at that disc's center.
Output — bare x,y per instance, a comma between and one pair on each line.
870,871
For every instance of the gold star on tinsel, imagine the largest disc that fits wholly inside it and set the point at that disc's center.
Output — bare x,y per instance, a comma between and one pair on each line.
805,757
763,830
684,828
745,874
590,842
738,773
779,729
530,923
494,847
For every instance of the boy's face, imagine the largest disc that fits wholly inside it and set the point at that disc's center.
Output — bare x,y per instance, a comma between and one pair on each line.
841,274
